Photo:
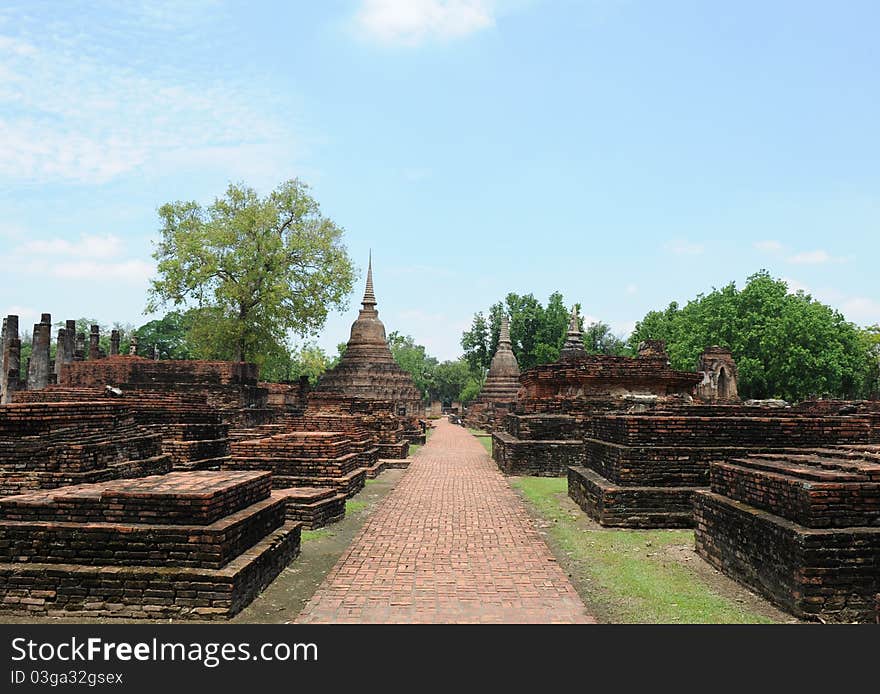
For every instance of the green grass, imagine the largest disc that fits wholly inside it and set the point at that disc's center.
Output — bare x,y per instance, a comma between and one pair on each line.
629,575
484,438
314,534
355,506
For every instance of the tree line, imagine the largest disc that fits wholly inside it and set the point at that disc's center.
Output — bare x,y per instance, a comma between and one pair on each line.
246,275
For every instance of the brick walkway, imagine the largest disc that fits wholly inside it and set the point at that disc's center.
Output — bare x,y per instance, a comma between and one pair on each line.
451,543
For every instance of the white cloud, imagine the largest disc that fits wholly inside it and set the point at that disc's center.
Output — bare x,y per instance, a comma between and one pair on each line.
769,246
88,246
127,271
27,316
631,290
810,258
685,247
77,110
412,22
861,310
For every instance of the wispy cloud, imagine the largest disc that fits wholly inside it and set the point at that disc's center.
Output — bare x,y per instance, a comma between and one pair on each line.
413,22
685,247
817,257
631,290
769,246
88,246
77,110
95,258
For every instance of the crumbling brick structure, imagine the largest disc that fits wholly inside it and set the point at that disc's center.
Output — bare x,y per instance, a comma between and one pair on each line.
642,470
800,527
229,387
193,545
498,395
190,429
367,373
720,376
48,445
545,433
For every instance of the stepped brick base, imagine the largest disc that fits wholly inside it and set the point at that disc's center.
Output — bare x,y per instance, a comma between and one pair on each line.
377,469
542,458
394,450
314,507
195,545
349,484
814,573
141,592
396,463
630,507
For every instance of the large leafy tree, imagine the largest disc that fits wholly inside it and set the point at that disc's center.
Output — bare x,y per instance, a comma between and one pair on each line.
450,379
256,267
785,344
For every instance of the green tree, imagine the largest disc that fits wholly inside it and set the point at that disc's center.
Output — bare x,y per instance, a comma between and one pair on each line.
785,345
598,339
537,332
450,379
169,334
413,359
257,268
310,361
470,391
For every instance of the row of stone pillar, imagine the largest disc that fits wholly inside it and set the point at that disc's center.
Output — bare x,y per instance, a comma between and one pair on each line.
70,346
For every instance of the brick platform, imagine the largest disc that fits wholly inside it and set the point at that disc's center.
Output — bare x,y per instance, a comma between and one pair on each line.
451,543
315,507
191,545
802,528
54,444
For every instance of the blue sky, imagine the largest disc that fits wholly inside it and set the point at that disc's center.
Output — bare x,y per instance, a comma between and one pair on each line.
624,153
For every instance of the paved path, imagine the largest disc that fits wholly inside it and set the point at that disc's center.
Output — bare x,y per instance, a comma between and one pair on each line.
451,543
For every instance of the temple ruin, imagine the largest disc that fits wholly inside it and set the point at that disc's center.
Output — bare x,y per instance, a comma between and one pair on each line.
368,384
498,395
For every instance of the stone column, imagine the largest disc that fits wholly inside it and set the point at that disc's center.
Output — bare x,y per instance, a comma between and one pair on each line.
133,347
9,369
13,369
69,341
60,342
95,343
114,343
79,353
38,366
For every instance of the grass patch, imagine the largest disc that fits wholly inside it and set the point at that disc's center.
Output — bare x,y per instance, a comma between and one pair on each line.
629,575
355,506
483,437
314,534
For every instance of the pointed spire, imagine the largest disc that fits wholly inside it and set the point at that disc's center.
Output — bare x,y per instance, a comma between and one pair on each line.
505,330
369,301
574,323
574,344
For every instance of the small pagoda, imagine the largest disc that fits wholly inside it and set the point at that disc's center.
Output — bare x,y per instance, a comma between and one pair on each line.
498,394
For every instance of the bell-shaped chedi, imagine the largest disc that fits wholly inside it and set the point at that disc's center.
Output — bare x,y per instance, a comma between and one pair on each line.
367,371
500,388
574,343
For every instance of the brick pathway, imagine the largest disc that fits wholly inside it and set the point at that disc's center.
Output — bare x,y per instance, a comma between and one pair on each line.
451,543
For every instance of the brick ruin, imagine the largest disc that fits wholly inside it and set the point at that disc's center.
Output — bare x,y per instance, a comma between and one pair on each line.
800,527
545,432
498,395
186,545
368,382
643,469
49,445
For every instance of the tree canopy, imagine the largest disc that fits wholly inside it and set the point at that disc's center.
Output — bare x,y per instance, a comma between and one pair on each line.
257,268
785,344
537,332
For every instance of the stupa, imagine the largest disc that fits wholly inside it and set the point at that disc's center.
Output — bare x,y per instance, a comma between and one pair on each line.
367,379
499,391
